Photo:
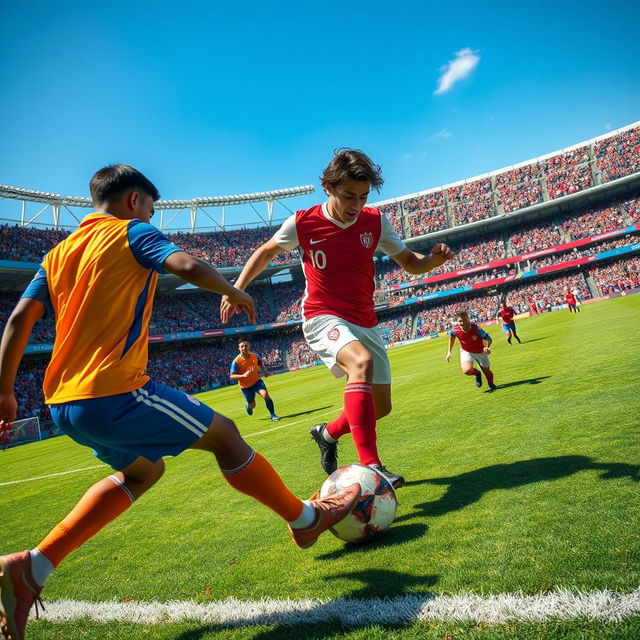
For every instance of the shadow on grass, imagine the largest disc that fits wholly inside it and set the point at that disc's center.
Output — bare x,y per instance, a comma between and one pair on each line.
467,488
321,620
394,536
302,413
534,340
516,383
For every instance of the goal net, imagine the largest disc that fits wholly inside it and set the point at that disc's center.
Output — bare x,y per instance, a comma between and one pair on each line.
27,430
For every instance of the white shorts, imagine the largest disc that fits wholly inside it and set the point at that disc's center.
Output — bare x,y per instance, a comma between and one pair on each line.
481,358
327,334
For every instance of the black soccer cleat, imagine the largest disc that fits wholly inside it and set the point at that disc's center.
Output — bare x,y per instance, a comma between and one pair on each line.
478,379
328,450
491,389
395,480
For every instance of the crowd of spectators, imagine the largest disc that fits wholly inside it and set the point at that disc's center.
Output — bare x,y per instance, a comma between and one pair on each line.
537,236
471,201
518,188
633,208
594,221
567,173
575,253
230,248
542,295
393,211
395,326
424,214
28,244
618,155
287,298
617,276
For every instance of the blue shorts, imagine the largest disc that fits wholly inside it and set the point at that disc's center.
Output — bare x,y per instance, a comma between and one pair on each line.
250,392
150,422
511,326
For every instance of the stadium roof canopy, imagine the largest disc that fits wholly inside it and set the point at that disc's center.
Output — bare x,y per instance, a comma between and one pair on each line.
57,202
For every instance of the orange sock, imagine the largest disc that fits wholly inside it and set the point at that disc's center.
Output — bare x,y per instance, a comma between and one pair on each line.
101,504
258,479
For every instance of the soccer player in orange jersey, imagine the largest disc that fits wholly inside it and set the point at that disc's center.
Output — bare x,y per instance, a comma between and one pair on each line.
245,368
337,241
99,282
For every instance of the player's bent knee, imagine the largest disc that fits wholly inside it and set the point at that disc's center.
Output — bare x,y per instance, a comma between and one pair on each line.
221,431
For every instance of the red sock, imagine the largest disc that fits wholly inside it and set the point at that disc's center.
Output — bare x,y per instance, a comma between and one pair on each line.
489,376
474,372
361,415
339,427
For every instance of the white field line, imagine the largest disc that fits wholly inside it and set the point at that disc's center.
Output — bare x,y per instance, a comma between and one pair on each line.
606,606
96,466
51,475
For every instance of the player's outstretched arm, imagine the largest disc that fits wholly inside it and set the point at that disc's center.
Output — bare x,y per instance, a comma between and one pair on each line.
202,274
417,263
451,341
256,264
14,341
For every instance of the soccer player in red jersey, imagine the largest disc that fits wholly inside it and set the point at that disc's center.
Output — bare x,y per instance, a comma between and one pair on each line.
475,347
505,317
99,282
572,303
245,369
337,241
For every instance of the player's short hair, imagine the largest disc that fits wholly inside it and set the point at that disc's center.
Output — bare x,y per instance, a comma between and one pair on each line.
243,340
463,313
352,164
113,181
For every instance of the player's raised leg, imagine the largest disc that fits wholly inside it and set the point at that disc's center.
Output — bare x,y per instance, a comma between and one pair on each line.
252,474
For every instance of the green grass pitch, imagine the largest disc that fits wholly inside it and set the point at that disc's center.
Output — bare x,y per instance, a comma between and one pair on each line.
529,489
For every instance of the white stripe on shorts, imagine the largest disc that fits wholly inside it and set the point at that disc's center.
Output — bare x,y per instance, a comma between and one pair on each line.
170,409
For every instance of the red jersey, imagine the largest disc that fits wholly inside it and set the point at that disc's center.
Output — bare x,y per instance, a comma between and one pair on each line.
337,261
471,340
507,314
570,298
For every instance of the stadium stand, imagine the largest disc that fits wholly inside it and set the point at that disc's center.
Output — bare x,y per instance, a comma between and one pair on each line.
408,307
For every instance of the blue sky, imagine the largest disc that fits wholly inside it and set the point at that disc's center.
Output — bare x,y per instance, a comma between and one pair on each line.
209,99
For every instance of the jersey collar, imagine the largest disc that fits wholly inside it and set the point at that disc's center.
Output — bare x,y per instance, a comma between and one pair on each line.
342,225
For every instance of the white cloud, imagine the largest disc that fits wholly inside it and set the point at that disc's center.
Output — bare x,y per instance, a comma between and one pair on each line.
460,67
443,134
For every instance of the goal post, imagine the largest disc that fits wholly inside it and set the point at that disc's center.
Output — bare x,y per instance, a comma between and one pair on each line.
22,431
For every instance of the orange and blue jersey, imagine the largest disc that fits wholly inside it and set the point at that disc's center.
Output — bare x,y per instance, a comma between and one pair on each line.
100,282
241,365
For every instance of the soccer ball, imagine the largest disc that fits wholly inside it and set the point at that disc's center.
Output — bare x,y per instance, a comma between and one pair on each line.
375,510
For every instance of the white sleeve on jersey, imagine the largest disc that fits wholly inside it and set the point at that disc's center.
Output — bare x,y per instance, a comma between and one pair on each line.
390,242
287,235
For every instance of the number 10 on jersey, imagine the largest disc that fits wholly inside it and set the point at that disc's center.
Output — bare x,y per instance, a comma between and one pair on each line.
318,259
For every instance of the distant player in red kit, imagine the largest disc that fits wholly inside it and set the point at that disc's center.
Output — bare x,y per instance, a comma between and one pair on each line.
337,241
505,317
475,347
572,303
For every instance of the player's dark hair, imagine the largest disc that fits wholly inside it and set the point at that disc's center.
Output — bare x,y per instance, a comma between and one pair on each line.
352,164
243,340
462,313
112,182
